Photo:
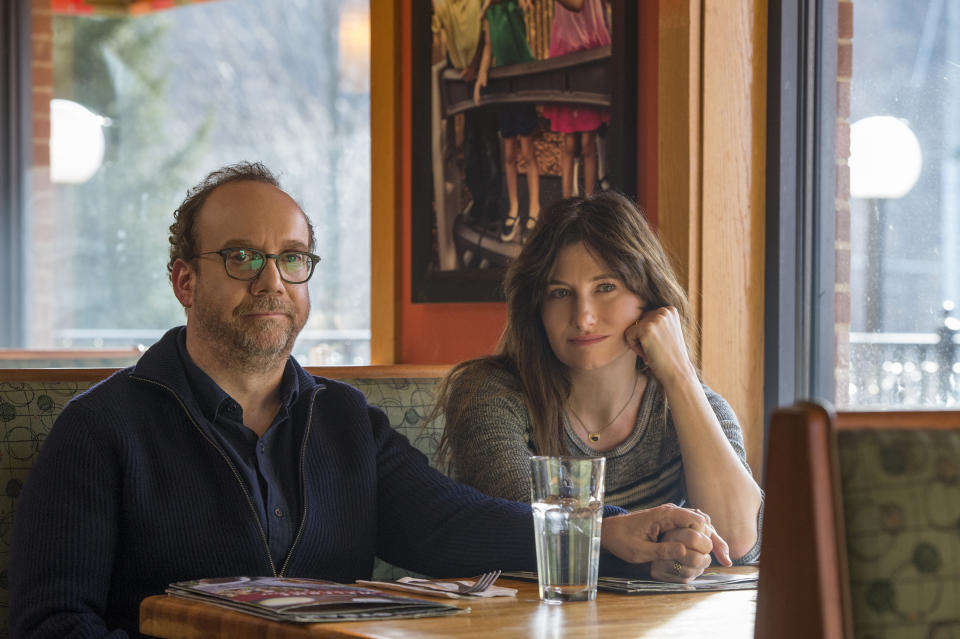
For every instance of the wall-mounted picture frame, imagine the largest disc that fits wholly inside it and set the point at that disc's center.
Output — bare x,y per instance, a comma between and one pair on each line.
556,115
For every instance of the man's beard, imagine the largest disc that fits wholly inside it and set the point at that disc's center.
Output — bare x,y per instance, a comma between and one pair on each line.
249,343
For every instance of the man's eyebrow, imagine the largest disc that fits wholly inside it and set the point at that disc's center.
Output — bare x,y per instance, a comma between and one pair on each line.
289,245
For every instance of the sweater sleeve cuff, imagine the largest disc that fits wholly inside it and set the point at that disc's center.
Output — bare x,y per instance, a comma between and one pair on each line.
612,511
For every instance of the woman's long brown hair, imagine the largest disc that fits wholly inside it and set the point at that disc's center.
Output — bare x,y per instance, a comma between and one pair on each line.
616,232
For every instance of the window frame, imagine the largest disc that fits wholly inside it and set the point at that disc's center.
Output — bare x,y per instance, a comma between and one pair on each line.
15,159
799,344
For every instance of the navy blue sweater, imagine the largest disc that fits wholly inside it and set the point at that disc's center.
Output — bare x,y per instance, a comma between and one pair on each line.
128,495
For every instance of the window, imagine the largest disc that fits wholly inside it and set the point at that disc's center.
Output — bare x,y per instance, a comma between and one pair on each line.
904,213
138,106
863,183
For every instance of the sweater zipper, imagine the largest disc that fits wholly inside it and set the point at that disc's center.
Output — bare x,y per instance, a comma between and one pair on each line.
233,469
303,481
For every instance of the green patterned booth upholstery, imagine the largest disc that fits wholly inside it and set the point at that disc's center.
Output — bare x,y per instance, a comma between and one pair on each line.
31,400
861,534
901,504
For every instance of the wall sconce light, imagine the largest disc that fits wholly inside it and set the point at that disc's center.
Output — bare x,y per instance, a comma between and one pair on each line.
354,49
76,142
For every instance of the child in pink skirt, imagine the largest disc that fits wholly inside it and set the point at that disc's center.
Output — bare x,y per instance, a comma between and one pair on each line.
577,25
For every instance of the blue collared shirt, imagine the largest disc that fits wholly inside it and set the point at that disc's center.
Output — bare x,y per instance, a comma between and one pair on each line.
269,465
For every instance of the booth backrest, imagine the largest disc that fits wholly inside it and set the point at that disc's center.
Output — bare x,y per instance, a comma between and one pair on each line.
861,533
31,400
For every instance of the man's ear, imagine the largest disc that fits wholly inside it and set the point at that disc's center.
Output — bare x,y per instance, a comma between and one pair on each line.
184,279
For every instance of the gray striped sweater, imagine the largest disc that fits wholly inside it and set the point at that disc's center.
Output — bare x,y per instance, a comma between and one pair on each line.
492,441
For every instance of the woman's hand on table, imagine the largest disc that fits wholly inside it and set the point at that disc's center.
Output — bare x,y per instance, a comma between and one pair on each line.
647,536
698,544
688,567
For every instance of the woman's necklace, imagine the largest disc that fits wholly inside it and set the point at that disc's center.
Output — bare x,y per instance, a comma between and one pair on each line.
594,436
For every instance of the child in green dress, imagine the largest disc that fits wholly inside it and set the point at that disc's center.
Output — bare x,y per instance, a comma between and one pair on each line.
505,42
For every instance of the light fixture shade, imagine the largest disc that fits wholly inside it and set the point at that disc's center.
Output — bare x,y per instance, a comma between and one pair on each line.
885,158
354,49
76,142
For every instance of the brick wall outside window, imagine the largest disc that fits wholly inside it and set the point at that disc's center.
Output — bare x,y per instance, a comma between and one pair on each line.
40,205
842,245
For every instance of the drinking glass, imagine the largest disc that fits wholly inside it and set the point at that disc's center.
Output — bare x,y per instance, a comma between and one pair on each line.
567,499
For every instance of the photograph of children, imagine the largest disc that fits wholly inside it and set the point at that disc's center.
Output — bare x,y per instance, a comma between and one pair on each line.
519,113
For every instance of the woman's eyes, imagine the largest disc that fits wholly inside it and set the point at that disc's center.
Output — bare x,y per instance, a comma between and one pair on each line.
603,287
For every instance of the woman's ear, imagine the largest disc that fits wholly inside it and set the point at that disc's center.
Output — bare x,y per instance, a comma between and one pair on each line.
184,280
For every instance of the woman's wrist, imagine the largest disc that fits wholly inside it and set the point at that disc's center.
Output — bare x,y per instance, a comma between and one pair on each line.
683,380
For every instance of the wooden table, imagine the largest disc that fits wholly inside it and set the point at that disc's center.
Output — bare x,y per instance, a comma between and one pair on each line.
713,615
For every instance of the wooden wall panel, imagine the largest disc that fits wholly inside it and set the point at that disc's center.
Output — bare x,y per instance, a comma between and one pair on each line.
648,74
385,202
732,251
678,140
711,139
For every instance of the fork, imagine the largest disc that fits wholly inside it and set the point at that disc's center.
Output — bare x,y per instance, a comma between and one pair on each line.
483,582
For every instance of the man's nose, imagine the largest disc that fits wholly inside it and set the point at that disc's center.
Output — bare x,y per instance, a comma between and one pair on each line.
269,280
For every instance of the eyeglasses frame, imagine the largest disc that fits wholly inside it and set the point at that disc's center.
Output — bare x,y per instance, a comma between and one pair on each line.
224,252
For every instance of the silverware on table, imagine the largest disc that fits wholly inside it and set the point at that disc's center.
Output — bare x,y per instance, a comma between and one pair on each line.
483,582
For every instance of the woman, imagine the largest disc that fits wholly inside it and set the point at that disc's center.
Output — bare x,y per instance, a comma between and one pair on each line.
595,360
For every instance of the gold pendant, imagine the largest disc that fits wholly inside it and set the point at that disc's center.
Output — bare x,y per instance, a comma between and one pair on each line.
594,437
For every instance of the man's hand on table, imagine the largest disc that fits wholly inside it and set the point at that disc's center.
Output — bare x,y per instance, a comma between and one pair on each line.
675,541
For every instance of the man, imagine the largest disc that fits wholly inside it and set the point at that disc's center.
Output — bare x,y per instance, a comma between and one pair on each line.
218,455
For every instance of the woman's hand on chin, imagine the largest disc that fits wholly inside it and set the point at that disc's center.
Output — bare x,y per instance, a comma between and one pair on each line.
657,337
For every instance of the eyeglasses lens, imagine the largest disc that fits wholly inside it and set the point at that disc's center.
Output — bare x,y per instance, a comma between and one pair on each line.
295,266
245,264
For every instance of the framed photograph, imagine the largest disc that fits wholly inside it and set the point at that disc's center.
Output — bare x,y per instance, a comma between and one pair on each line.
513,108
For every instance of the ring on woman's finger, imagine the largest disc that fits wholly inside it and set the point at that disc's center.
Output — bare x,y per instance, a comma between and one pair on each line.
676,569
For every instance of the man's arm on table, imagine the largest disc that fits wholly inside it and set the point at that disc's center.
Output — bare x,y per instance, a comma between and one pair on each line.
431,524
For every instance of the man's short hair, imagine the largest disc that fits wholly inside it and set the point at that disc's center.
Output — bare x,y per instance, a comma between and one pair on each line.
182,241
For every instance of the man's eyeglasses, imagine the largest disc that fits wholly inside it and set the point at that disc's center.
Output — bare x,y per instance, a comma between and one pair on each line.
246,264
